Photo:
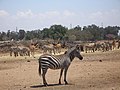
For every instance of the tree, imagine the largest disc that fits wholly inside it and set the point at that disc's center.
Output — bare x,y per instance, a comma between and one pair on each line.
28,35
58,31
3,36
95,31
72,38
77,28
111,30
14,35
45,33
8,34
21,34
86,35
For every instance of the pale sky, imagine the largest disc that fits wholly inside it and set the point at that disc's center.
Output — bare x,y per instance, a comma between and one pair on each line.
38,14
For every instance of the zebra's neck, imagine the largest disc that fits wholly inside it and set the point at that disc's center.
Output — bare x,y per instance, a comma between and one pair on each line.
71,55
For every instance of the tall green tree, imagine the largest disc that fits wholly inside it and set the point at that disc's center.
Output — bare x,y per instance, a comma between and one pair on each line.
21,34
95,31
14,35
58,32
46,33
111,30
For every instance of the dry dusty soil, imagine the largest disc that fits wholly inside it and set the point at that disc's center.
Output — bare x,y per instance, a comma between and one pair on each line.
97,71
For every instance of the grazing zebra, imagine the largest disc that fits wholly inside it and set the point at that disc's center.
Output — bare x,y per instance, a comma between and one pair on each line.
32,48
90,47
14,50
50,48
62,62
114,44
24,51
118,44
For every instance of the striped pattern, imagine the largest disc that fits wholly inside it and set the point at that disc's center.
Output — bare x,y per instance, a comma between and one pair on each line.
49,61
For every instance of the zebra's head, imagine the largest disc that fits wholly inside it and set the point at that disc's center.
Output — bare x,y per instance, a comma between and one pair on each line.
74,52
77,52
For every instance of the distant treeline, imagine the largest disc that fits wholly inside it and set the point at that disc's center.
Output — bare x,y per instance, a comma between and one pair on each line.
59,32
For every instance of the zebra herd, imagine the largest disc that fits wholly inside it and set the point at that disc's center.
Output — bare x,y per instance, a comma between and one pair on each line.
53,48
23,50
101,46
30,50
19,51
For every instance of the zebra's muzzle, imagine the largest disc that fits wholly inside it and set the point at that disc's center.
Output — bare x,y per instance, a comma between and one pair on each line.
81,58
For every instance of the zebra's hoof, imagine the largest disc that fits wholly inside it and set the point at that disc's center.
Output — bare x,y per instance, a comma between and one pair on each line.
59,82
66,82
45,85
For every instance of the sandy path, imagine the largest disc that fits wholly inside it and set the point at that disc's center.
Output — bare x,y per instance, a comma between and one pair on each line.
89,74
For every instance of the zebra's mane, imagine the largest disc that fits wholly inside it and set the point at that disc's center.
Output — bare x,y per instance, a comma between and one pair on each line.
70,50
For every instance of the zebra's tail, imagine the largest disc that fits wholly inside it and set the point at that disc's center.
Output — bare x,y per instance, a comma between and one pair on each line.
39,67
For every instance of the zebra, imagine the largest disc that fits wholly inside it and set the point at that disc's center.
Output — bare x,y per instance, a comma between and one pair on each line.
62,62
14,50
24,51
50,48
90,47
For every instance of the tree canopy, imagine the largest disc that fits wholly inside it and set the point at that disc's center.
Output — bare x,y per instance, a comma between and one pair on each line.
59,32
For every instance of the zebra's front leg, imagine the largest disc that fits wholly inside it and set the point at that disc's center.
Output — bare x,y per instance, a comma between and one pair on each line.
60,75
43,76
65,74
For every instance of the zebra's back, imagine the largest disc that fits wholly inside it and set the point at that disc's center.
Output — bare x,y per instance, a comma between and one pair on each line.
52,62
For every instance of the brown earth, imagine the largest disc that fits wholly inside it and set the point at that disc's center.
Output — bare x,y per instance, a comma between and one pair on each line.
98,71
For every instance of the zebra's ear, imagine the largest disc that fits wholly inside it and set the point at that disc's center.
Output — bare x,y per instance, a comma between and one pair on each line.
65,52
77,47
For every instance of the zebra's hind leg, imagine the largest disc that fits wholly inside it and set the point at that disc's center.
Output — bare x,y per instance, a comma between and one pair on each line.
65,73
43,76
60,75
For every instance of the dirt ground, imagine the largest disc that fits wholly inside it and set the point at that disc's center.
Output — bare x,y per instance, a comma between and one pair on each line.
97,71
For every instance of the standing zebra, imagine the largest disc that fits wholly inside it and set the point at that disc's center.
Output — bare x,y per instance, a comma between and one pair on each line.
62,62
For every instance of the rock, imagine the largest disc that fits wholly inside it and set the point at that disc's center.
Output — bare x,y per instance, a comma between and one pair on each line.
100,60
28,60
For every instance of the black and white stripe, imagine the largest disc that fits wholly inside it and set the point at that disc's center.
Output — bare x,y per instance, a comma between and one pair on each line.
49,61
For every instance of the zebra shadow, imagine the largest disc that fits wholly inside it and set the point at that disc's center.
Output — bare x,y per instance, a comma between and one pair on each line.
38,86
